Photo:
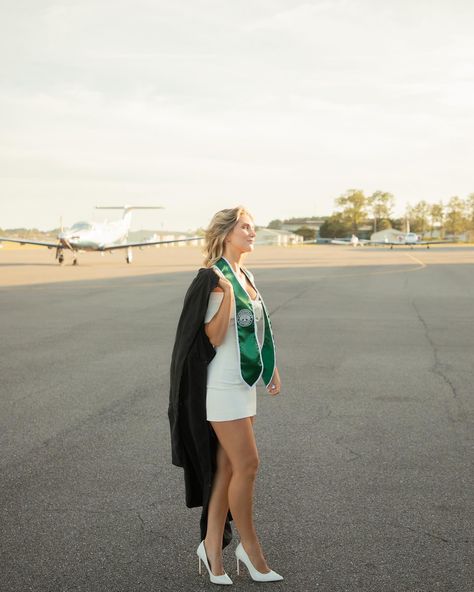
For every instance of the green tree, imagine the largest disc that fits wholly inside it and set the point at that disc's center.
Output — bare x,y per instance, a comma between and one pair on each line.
306,232
381,204
396,223
384,223
353,204
275,224
470,210
437,217
419,217
456,221
335,226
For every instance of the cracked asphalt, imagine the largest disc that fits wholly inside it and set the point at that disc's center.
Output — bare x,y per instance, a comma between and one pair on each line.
366,476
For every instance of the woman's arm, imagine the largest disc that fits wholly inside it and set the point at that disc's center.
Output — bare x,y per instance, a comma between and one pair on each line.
216,328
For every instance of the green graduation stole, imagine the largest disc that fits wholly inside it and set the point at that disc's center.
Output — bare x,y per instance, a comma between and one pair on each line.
255,361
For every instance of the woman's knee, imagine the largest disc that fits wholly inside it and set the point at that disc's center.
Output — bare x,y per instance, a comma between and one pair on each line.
237,445
247,465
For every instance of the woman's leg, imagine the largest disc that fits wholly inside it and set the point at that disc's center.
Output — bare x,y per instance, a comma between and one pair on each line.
238,441
217,512
218,509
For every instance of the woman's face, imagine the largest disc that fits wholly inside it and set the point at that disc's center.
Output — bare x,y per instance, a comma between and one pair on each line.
242,236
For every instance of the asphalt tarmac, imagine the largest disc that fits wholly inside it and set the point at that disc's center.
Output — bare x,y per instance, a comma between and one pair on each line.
366,478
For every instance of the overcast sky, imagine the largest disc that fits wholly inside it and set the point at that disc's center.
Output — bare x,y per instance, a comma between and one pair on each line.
198,105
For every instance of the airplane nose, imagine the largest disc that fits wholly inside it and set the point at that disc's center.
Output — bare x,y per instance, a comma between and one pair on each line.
64,238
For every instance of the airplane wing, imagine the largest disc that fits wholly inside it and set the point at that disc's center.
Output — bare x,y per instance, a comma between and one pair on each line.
394,243
323,240
331,241
441,242
28,242
343,241
147,243
404,244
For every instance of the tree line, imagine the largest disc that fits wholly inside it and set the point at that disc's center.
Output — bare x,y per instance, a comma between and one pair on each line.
356,210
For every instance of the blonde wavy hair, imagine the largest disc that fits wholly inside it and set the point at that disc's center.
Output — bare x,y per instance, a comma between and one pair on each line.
219,227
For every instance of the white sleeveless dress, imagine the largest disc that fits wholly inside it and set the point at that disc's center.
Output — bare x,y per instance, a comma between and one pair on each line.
228,396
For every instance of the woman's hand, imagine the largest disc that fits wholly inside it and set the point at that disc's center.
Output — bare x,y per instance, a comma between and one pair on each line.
274,385
224,284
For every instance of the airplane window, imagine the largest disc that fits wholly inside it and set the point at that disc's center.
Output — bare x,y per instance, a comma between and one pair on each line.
81,226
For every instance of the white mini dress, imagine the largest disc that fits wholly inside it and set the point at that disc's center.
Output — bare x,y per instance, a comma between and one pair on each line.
228,396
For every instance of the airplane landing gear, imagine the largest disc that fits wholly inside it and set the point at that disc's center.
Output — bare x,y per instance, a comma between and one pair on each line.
129,257
74,261
59,254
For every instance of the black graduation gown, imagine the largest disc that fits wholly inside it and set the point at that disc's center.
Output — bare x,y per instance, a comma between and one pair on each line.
193,441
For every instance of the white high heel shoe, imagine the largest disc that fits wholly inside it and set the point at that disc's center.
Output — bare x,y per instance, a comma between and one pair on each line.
256,575
201,553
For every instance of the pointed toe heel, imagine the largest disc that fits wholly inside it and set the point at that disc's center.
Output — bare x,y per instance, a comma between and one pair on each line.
223,579
257,576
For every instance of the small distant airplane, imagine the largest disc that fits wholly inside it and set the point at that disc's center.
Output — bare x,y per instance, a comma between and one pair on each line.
98,236
408,238
354,241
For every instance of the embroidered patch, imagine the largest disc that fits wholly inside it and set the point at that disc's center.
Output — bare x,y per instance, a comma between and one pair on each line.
244,317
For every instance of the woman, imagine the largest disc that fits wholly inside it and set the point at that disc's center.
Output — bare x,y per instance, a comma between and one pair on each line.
224,345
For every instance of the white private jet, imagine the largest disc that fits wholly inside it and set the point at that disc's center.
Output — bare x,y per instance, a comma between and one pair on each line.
98,236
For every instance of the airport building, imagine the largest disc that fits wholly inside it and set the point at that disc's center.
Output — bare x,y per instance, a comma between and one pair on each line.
389,234
270,236
294,225
165,235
